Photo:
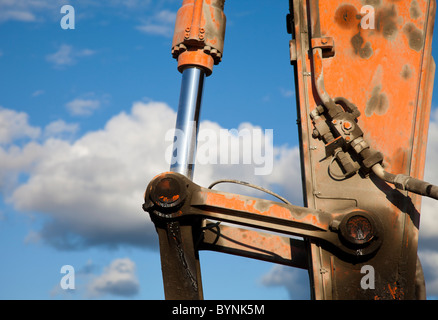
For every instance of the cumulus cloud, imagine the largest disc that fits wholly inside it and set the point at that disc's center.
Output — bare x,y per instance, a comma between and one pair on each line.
119,279
91,281
91,188
14,125
60,129
15,160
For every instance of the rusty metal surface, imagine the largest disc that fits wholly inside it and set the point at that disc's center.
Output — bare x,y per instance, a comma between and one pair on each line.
255,245
388,73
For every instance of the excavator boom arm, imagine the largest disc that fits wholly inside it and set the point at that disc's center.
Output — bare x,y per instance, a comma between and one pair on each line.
364,78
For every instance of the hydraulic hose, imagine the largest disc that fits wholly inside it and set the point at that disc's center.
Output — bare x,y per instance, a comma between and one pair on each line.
405,182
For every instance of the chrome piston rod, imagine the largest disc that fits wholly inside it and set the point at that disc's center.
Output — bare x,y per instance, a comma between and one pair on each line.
187,123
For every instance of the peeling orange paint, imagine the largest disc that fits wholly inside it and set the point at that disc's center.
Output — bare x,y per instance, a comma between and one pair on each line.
235,202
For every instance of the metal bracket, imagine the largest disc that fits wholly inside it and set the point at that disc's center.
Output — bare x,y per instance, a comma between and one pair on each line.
327,44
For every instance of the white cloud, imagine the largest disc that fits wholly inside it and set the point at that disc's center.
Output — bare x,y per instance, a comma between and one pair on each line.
16,161
91,189
130,4
162,23
24,16
119,279
429,262
62,57
14,125
31,11
67,55
38,93
429,221
287,93
28,10
156,29
60,128
83,107
40,10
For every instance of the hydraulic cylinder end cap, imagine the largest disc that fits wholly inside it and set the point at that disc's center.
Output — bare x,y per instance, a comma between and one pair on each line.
168,192
362,232
358,229
165,196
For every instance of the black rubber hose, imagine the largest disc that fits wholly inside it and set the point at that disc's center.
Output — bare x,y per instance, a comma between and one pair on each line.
404,182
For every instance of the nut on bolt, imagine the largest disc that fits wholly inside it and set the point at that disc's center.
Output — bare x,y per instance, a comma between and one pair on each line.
187,33
201,34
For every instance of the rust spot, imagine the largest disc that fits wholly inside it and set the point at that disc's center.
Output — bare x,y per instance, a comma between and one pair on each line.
415,10
374,3
396,292
415,36
346,16
406,72
169,199
378,103
365,51
392,291
386,22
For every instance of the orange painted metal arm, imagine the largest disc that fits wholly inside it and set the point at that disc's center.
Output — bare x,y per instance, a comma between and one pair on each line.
173,197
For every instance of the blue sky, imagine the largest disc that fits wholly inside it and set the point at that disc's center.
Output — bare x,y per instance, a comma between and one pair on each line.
83,115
